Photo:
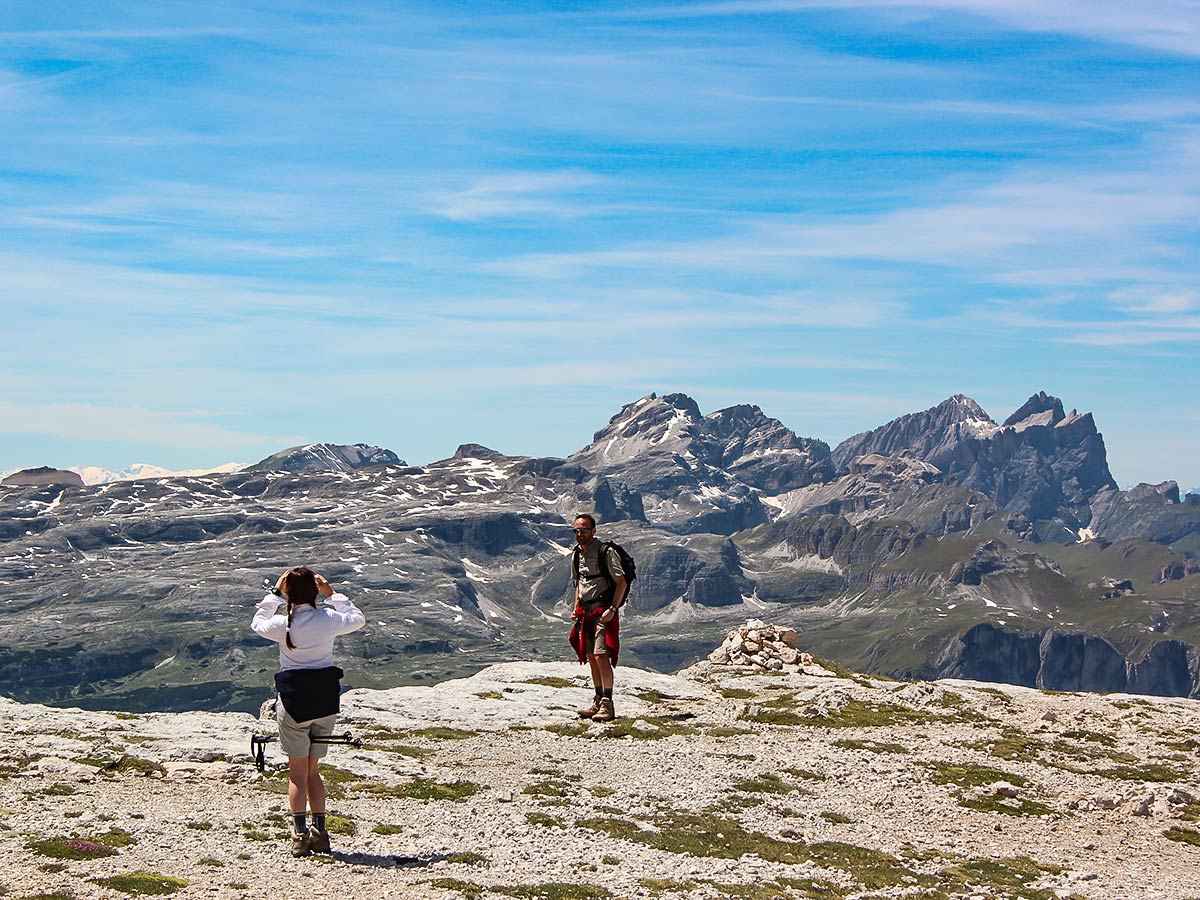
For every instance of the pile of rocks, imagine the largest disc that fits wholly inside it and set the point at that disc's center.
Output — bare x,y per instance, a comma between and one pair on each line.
768,647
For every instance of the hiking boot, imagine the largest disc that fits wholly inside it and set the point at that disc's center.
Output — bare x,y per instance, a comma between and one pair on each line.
301,845
605,713
590,711
318,841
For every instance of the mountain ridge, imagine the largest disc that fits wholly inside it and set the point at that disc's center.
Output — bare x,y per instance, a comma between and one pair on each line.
887,564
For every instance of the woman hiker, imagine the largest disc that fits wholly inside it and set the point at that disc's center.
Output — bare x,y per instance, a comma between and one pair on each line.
307,683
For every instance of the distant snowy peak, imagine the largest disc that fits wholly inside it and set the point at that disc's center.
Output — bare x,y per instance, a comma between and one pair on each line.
928,433
138,471
741,441
328,458
671,422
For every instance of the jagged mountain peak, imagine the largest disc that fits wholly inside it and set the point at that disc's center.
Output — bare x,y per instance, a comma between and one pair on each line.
477,451
670,422
322,457
966,406
1040,409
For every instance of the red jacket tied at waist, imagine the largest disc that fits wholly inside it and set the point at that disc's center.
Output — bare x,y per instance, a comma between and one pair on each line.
583,633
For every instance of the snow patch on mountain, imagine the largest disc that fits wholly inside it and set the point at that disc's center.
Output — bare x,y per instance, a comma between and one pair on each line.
140,471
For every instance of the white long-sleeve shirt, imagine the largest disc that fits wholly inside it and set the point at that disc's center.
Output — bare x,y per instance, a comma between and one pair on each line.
313,630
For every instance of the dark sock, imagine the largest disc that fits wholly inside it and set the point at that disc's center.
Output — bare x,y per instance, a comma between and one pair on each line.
607,692
319,821
299,825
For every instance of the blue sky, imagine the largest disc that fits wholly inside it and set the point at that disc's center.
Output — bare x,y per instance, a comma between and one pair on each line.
226,228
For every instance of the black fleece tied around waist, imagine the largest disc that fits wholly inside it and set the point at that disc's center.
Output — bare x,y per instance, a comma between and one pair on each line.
309,694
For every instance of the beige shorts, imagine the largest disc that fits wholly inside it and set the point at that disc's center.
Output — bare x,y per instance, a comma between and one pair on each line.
598,647
295,737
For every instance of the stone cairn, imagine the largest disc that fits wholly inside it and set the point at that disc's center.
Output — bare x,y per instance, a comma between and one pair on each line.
757,645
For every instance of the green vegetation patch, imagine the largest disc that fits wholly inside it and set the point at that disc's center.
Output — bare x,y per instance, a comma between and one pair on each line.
551,681
199,826
836,818
1009,876
387,829
340,825
125,765
426,789
443,733
214,863
1013,745
70,848
646,728
54,790
724,731
490,695
656,887
872,746
651,696
555,890
545,789
1183,835
1145,772
1008,806
544,820
855,714
767,783
142,883
1096,737
468,858
714,836
970,775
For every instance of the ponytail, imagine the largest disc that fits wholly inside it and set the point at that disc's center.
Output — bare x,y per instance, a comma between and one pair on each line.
300,588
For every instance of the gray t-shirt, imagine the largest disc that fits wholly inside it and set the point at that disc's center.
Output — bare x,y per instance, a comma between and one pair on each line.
592,583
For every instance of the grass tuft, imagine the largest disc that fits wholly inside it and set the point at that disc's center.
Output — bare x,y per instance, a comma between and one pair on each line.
142,883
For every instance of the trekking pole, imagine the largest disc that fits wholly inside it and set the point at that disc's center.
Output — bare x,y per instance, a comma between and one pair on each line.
258,745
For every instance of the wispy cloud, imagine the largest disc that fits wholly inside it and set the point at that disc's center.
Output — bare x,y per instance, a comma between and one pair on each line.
518,194
1167,25
92,422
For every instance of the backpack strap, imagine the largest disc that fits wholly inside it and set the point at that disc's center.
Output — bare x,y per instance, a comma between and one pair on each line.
602,557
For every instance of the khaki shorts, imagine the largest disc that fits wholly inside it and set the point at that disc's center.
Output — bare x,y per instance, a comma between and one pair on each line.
294,737
598,646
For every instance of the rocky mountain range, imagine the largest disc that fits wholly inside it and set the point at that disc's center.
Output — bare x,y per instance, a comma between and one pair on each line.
942,543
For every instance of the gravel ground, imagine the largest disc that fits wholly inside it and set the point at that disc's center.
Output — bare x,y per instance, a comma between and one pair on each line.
711,783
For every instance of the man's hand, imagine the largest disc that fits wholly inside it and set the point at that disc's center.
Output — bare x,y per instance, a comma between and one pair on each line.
323,586
608,615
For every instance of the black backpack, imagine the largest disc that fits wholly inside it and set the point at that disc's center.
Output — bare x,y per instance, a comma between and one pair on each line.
627,563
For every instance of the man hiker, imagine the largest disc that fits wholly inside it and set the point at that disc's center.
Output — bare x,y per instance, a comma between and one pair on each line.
600,590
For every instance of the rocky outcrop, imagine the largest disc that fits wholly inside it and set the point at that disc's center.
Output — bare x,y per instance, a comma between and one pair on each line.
1154,511
1066,661
1177,569
43,476
894,487
1042,462
988,558
327,458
